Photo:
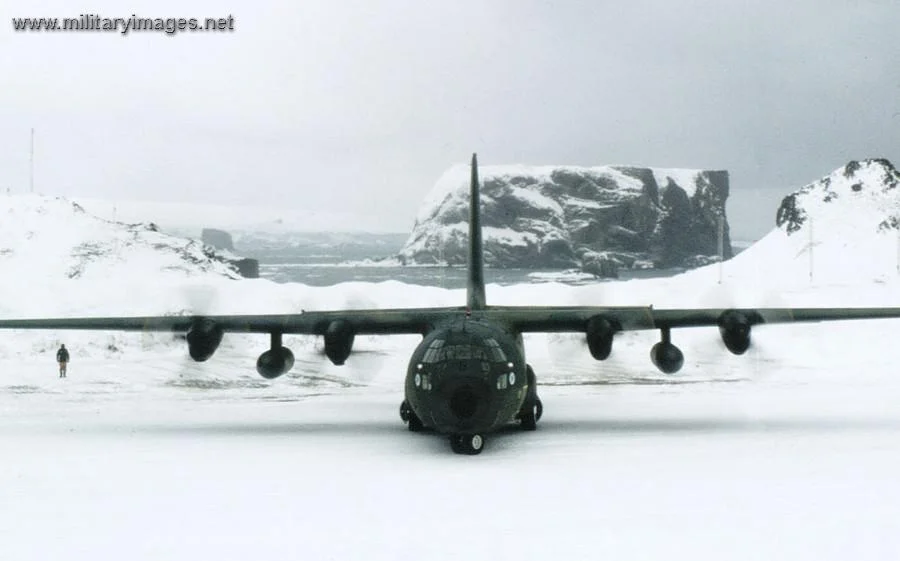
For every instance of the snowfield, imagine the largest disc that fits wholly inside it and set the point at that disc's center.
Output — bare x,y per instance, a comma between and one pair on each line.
790,451
793,455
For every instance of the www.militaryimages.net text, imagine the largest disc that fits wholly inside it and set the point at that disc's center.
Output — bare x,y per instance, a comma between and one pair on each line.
95,23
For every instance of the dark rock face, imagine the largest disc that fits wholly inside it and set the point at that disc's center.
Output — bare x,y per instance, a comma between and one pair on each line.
601,218
248,267
219,239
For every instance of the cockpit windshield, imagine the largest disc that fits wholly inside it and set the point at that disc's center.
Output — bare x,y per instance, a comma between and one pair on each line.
438,351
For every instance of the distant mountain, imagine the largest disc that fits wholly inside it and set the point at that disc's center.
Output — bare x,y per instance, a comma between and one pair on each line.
272,235
564,216
189,219
316,247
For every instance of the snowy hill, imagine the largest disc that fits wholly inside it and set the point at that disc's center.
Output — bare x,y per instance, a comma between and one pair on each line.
562,216
53,238
841,230
57,259
861,197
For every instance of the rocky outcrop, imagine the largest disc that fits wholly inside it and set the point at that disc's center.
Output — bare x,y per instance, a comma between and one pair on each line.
219,239
862,194
601,218
248,267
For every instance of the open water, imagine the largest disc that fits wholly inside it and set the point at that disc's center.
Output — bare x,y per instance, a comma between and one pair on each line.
327,274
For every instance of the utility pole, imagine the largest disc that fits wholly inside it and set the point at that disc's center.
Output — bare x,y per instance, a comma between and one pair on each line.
721,246
810,250
31,163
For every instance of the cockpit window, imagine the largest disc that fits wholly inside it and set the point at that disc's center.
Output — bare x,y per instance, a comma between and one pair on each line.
497,353
433,350
463,352
438,352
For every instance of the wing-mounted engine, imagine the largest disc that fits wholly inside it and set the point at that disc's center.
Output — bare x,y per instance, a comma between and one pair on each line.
276,361
734,327
599,335
665,356
339,337
203,338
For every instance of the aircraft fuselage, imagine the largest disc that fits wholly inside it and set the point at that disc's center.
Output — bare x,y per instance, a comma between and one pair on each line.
467,376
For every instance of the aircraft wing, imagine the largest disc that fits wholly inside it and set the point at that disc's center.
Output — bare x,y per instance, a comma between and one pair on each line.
735,324
599,324
576,318
421,320
362,322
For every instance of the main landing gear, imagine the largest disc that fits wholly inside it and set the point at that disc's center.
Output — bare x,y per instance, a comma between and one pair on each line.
414,423
532,409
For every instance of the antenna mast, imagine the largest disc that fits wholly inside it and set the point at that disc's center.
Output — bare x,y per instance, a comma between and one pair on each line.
811,242
31,163
721,245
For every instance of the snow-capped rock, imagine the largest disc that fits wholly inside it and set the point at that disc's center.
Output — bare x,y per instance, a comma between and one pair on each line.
550,216
862,195
839,230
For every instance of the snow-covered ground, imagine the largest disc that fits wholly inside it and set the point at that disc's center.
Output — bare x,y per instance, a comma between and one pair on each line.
790,452
794,454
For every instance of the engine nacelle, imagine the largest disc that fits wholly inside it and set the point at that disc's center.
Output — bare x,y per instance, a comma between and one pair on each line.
275,362
339,341
599,336
734,327
667,357
203,338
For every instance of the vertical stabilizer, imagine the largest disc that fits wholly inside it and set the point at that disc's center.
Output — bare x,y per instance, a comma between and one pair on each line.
475,297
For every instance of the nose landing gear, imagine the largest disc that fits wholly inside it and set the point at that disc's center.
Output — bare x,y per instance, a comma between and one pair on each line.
469,444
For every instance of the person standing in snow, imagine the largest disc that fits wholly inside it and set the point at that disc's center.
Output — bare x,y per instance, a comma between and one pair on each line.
62,357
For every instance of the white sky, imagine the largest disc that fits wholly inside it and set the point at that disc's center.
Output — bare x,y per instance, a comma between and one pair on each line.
359,106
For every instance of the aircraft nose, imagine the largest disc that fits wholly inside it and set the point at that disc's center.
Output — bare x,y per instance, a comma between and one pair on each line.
468,400
464,402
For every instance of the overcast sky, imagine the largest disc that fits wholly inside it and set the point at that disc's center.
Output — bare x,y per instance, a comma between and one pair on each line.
359,106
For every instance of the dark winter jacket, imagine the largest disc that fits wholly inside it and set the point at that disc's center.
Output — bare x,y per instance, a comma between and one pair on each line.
62,355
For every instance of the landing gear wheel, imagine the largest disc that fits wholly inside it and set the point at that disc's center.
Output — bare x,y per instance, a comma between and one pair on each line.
409,416
469,444
405,411
533,409
415,424
532,415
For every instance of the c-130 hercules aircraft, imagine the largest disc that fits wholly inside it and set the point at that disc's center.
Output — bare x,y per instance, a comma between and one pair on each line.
468,377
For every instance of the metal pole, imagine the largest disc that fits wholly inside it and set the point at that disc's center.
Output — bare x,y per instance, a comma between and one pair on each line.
721,246
31,163
810,250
